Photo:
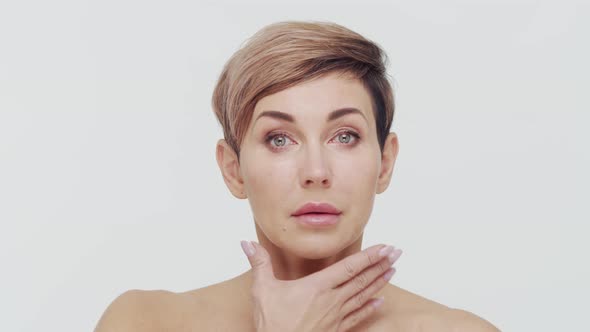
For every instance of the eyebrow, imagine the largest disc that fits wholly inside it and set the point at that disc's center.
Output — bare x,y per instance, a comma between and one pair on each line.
331,117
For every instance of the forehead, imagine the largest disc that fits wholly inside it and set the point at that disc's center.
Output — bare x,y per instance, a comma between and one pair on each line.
318,97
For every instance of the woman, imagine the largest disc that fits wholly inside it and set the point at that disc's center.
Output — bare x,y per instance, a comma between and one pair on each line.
306,109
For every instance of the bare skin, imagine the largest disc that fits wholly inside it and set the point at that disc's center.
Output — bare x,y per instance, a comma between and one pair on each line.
226,306
308,162
229,305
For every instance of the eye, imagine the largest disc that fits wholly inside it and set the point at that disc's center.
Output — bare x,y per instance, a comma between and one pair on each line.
346,136
278,140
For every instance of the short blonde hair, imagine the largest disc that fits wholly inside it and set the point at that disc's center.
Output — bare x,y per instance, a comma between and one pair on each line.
284,54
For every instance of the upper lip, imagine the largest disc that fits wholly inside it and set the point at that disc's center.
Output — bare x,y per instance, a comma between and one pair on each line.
312,207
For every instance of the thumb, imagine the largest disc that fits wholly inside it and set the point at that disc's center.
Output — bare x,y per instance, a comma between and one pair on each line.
259,261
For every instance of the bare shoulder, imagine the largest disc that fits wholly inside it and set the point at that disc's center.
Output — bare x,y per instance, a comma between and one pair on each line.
451,320
223,306
464,321
136,310
412,312
206,308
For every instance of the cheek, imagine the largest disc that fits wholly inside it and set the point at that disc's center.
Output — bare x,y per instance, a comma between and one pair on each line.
360,184
266,174
268,184
360,176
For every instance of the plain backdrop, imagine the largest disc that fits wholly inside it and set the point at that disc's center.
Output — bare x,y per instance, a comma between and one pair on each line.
108,178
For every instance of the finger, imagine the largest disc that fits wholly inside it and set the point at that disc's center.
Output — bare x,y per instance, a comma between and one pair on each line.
347,268
363,279
260,262
355,317
361,297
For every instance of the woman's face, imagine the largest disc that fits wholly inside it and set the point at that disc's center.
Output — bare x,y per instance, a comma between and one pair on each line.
311,152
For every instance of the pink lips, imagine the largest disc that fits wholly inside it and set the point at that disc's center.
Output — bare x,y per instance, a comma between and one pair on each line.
317,214
316,208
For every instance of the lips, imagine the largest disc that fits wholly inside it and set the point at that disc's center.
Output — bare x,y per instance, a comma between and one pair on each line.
317,208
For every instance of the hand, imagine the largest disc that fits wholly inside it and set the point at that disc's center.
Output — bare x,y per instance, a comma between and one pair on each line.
336,298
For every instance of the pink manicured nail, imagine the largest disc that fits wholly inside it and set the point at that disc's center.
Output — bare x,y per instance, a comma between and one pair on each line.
395,255
248,248
386,251
377,302
387,276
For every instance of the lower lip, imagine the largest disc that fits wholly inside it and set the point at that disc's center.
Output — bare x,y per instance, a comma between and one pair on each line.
317,219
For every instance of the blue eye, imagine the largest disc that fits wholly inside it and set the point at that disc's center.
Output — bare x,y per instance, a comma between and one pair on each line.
347,135
279,140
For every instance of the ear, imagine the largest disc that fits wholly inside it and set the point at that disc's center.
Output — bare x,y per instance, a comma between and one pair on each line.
227,160
388,158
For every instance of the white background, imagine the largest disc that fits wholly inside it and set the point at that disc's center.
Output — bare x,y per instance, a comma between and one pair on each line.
108,179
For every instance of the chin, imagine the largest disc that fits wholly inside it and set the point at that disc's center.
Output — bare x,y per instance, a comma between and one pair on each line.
315,247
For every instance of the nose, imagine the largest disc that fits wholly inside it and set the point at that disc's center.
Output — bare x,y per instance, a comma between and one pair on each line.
315,169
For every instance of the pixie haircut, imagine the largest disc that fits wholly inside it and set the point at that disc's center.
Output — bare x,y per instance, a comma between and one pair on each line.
285,54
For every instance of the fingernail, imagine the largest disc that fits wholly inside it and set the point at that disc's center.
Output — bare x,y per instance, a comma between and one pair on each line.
248,248
387,276
395,255
385,251
377,302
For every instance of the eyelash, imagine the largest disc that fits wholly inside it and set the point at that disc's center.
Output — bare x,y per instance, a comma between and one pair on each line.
272,136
